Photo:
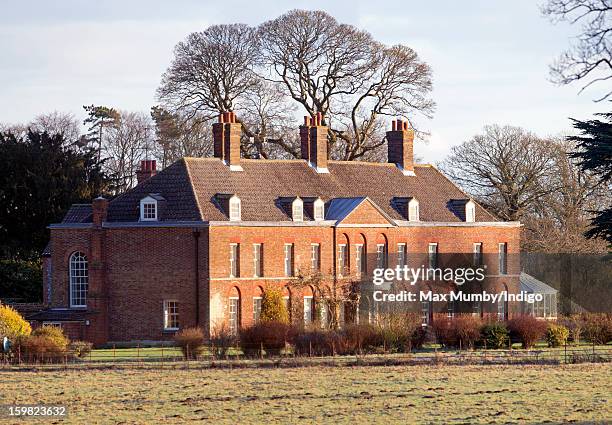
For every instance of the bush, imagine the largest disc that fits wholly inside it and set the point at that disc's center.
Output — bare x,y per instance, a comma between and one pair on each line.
222,340
273,307
574,324
359,338
462,331
397,331
191,341
317,342
494,336
12,324
45,344
556,335
527,330
271,336
597,328
80,349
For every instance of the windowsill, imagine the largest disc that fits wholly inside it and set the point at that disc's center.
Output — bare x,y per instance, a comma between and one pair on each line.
169,330
78,307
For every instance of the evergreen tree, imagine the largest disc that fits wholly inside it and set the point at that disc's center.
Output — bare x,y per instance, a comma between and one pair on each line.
595,156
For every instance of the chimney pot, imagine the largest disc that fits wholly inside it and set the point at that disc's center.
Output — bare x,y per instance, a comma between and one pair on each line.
400,146
226,138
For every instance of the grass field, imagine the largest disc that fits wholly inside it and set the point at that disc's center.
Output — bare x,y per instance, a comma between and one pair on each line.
416,394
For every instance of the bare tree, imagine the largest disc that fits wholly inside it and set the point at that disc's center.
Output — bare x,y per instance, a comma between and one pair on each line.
503,168
590,58
178,135
322,65
63,123
266,111
210,70
557,222
124,146
340,71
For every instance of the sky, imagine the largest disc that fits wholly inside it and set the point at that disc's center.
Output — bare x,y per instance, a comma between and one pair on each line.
489,58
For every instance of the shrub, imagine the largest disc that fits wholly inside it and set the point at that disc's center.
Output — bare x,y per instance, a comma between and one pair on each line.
574,324
45,344
317,342
556,335
12,324
222,340
461,331
597,327
443,330
494,336
191,341
273,307
397,331
527,330
358,338
80,349
418,337
271,336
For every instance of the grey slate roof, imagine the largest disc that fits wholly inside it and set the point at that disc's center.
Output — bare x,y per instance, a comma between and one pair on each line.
190,185
78,213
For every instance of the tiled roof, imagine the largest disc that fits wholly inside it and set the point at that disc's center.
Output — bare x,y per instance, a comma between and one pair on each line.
78,213
59,315
190,185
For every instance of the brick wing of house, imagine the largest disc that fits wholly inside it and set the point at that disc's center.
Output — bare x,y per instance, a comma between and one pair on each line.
198,242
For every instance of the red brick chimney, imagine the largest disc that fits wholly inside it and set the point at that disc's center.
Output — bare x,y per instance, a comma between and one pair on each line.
100,211
226,138
148,168
399,144
313,142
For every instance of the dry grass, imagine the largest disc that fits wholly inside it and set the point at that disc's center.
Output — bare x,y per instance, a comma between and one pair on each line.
425,394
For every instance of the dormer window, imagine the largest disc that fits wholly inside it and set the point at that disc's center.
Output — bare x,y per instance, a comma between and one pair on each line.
234,208
148,209
470,212
413,210
297,210
319,210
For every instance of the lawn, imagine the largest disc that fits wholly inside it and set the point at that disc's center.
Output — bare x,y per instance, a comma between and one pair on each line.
421,394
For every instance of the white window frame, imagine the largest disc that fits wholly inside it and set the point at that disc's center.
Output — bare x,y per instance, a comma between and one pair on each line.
79,279
308,301
171,317
256,308
234,314
470,212
145,209
235,208
425,312
401,254
502,248
315,257
381,255
413,210
257,260
477,254
360,259
234,258
297,210
318,209
432,254
342,259
288,260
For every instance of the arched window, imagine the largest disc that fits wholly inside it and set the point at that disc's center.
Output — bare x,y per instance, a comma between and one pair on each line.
470,212
79,280
297,210
319,209
235,208
413,210
234,311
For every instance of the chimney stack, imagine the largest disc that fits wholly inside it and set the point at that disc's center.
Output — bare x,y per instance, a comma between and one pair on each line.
400,146
226,137
313,142
99,211
148,168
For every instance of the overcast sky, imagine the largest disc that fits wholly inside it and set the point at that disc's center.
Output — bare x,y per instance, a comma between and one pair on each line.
489,58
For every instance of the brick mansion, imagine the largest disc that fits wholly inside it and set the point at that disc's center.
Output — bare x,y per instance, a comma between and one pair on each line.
197,243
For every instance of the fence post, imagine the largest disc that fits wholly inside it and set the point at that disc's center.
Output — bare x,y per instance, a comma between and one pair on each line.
162,353
565,350
114,354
